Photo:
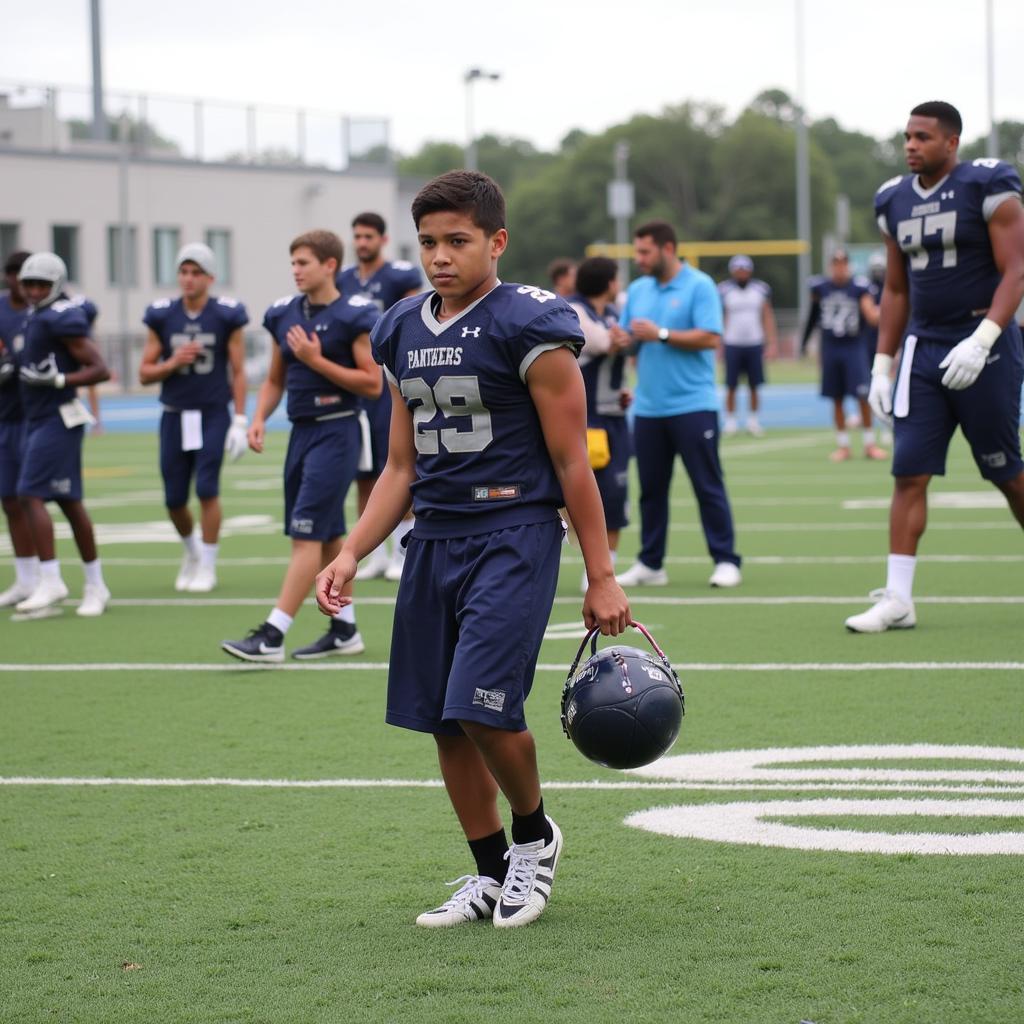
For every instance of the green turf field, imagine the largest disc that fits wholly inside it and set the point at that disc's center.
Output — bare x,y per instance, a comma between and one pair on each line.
191,890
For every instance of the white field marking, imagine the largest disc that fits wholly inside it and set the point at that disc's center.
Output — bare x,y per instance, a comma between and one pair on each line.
786,560
1003,523
778,445
266,484
940,499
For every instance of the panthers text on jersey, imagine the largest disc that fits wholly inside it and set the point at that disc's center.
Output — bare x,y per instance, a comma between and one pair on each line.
338,325
481,460
602,374
839,306
384,287
45,332
943,233
743,309
203,383
12,334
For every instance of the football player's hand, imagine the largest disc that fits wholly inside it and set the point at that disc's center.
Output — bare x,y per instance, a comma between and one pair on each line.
51,377
237,441
186,355
880,395
965,360
620,339
625,398
8,368
256,435
331,580
643,330
606,607
305,347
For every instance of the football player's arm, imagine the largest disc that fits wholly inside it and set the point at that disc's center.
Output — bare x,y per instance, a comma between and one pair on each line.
769,327
556,388
390,501
892,321
813,316
236,360
91,367
153,369
363,379
868,310
270,394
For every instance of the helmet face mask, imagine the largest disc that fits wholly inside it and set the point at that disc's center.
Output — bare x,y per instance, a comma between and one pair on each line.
47,267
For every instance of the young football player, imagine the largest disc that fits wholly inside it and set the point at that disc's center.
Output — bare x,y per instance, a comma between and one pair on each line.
193,342
322,358
488,434
57,357
383,283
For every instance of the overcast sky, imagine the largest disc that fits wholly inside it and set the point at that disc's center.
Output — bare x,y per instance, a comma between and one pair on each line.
564,64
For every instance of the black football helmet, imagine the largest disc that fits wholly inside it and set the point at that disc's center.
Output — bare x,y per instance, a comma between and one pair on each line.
624,706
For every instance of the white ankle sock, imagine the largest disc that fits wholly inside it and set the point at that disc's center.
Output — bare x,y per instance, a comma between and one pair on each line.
50,570
346,614
900,577
93,573
191,545
280,620
842,439
208,555
869,437
27,571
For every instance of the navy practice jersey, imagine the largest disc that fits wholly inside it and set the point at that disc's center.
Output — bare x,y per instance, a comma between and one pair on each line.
385,287
311,396
45,333
12,334
87,306
840,307
205,382
479,445
943,232
602,374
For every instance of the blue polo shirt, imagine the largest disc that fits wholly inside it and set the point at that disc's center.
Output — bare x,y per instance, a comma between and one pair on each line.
672,381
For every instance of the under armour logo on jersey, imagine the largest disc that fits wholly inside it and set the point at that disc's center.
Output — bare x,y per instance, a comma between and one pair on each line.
951,194
471,332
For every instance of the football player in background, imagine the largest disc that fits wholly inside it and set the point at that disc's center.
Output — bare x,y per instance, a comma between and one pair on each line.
57,357
562,274
954,235
383,283
195,350
322,358
487,435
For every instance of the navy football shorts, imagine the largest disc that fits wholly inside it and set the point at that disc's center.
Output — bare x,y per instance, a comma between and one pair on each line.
613,479
469,621
51,466
177,467
378,411
988,411
12,447
844,369
318,471
744,360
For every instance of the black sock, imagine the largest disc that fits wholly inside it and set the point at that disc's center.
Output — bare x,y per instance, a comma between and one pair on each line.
489,854
345,630
528,828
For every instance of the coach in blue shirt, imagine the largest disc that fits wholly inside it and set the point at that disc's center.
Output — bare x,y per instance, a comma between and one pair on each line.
674,314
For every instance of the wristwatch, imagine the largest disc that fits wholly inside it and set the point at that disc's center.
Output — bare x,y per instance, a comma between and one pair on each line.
663,334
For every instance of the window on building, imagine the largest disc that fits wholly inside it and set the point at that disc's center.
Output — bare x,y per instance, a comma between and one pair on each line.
122,265
219,240
65,245
10,235
166,243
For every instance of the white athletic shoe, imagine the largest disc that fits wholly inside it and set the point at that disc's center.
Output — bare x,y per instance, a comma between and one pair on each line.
527,888
189,565
888,612
754,428
14,594
94,600
203,580
730,428
726,574
394,570
640,575
47,592
373,568
474,901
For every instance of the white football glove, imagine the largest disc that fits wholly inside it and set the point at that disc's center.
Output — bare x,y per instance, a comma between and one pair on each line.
236,444
965,360
880,395
50,377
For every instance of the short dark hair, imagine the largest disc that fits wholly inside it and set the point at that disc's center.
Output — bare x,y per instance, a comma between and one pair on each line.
557,269
370,220
945,113
463,192
324,245
660,231
14,261
594,275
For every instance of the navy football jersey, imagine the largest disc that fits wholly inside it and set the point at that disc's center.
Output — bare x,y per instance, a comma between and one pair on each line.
12,334
840,307
383,288
481,461
87,306
44,348
602,374
311,396
205,382
943,232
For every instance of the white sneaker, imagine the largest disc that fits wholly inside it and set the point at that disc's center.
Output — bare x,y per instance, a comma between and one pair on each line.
189,565
14,594
47,592
373,568
94,600
203,580
640,575
726,574
754,428
394,570
527,888
731,427
475,901
888,612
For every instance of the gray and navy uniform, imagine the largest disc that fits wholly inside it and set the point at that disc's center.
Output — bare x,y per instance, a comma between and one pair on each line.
844,364
743,331
12,419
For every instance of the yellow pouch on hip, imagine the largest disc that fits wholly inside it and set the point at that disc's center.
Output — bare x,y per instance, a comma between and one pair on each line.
597,447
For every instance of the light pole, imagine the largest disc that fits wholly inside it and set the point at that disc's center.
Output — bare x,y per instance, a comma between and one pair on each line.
469,78
803,171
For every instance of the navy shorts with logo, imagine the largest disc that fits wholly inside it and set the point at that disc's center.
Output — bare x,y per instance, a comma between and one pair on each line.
51,466
318,471
613,479
177,467
12,447
844,369
744,359
378,411
988,412
469,620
